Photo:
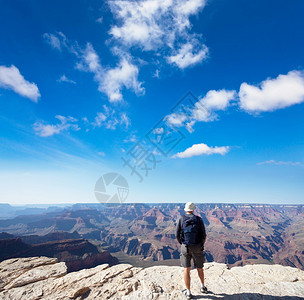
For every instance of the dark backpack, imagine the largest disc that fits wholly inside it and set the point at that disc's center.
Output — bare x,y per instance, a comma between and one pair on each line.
191,230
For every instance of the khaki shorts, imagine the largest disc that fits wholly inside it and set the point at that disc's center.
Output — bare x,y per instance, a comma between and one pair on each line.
192,252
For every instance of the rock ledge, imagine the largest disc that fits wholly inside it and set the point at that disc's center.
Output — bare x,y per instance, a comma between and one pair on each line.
46,278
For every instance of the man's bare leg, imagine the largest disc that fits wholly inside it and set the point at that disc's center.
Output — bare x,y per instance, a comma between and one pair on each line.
200,272
187,277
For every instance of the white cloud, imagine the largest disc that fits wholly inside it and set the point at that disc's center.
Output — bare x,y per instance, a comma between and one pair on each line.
111,81
280,163
177,119
66,123
161,27
160,24
141,22
218,100
110,119
11,78
153,23
124,75
272,94
269,95
203,110
100,153
186,56
201,149
63,78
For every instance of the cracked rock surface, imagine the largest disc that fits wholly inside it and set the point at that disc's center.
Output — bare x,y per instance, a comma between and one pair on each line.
45,278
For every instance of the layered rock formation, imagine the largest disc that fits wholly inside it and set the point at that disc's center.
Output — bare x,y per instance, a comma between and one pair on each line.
44,278
237,234
76,253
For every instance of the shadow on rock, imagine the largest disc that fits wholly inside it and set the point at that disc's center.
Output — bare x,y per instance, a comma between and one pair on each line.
244,296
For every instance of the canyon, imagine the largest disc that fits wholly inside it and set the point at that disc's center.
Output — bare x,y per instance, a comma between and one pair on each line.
77,253
237,234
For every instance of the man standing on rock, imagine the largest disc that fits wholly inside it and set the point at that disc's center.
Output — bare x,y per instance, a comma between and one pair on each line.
191,234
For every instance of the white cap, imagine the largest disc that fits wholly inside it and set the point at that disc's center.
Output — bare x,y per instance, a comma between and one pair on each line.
189,206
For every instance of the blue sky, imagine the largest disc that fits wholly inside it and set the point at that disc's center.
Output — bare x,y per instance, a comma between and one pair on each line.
83,82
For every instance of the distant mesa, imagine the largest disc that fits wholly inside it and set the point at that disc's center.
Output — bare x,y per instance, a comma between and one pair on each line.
237,234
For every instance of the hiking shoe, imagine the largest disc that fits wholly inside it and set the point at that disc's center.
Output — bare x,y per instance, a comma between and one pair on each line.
188,296
204,290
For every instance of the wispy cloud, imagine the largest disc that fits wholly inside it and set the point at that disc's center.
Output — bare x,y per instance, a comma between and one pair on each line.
99,20
60,42
281,163
201,149
161,27
63,78
111,81
125,120
272,94
53,41
89,61
110,119
156,74
72,153
66,123
12,79
131,138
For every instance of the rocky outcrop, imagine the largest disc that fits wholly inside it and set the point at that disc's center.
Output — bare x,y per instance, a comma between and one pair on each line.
44,278
12,270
